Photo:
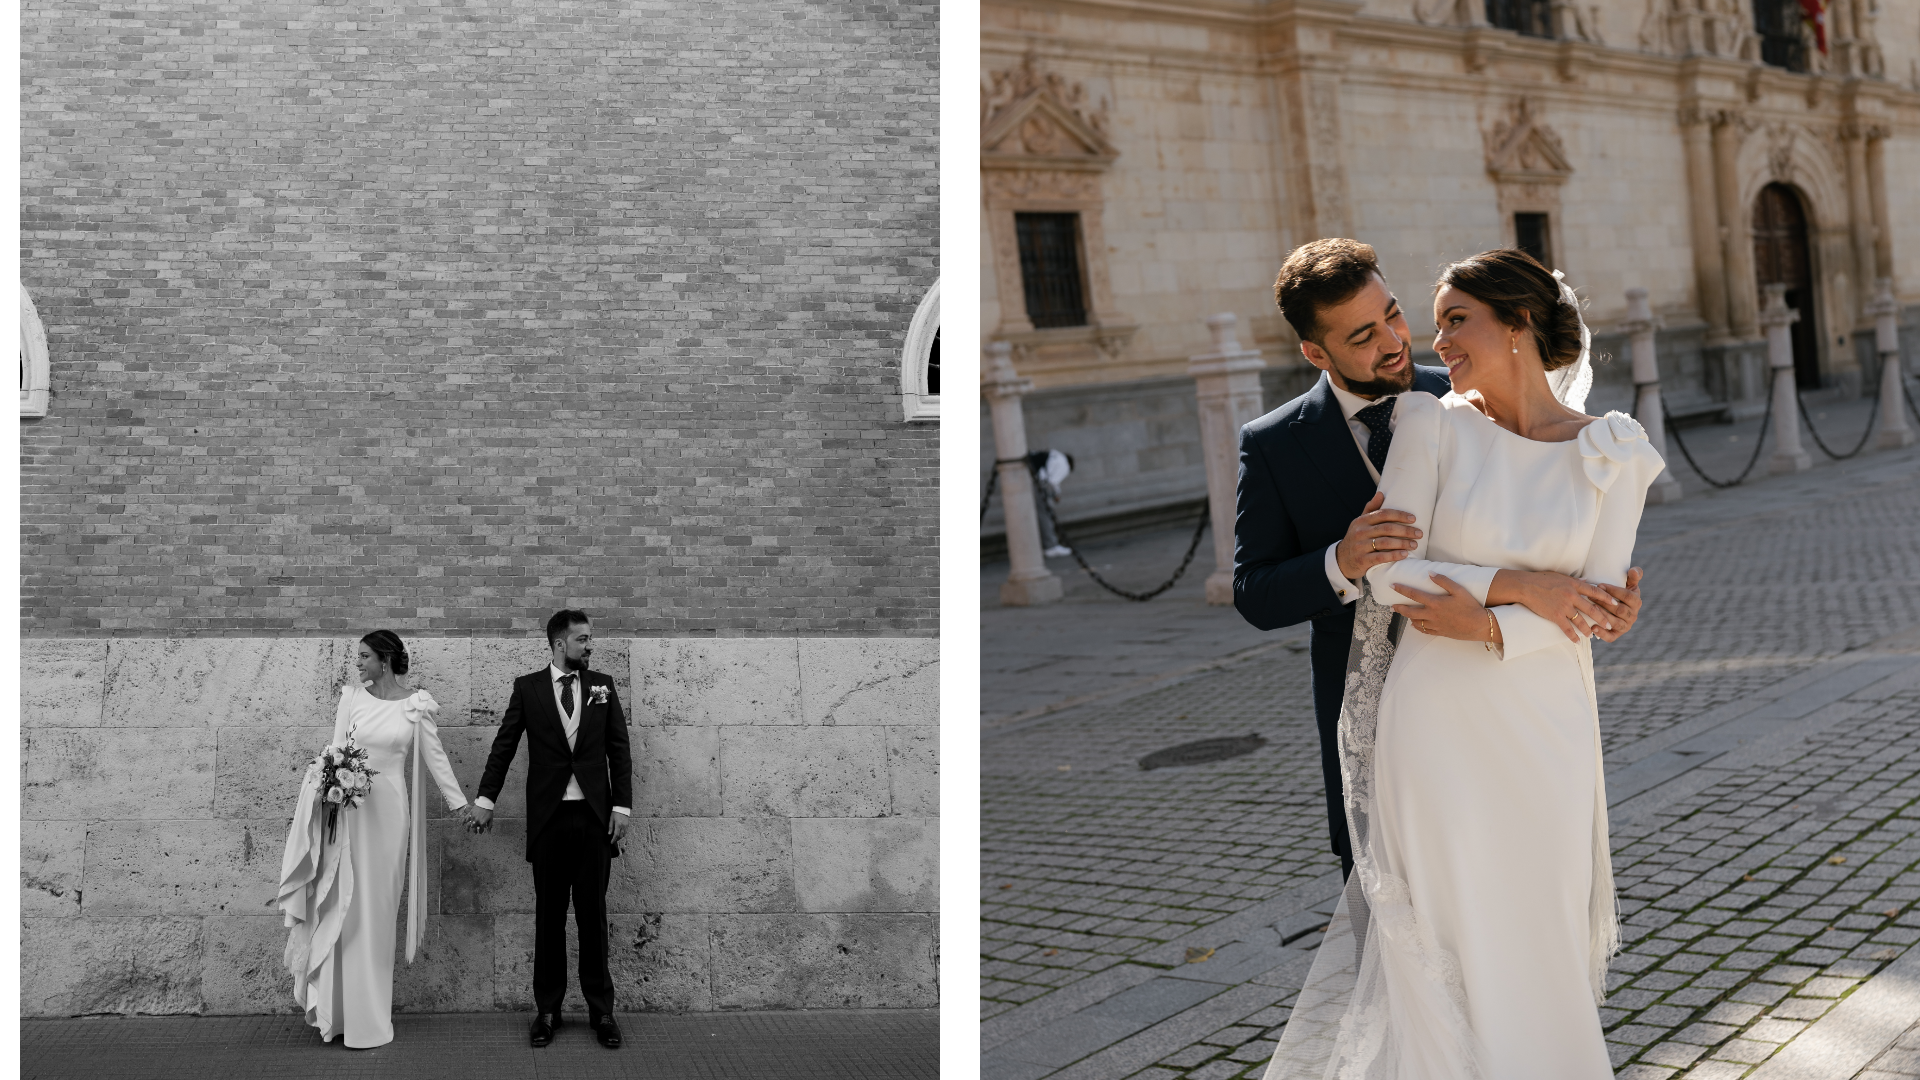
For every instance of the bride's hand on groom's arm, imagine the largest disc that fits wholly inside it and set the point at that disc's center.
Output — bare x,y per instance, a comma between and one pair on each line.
1625,607
1577,607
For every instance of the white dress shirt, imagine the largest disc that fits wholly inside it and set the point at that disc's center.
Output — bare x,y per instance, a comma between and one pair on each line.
570,721
1351,403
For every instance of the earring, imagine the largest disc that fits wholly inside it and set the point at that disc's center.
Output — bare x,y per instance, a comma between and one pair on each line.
1513,342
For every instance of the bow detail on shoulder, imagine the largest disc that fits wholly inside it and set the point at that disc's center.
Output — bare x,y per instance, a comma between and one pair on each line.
1607,445
418,704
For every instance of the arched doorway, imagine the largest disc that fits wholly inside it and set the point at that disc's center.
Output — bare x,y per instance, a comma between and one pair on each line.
1780,255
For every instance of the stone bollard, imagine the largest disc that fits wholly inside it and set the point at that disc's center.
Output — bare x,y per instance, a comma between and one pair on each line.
1640,325
1775,318
1894,432
1031,582
1227,383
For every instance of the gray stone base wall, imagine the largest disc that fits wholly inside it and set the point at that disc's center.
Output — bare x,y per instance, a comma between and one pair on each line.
1136,445
783,852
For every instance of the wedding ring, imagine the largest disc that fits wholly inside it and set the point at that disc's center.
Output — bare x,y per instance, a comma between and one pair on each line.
1373,544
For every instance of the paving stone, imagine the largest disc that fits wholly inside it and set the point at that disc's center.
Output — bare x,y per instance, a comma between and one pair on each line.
1677,1054
1716,1070
1750,1051
1799,1008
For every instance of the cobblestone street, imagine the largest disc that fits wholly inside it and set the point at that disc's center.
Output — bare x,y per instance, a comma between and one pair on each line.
1763,770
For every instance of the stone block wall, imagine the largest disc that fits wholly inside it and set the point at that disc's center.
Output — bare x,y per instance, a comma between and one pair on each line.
783,852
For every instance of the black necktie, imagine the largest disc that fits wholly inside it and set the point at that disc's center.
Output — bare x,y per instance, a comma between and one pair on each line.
1376,416
566,694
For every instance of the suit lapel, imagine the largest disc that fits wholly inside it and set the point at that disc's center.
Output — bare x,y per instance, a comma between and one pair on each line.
1322,431
549,709
1433,380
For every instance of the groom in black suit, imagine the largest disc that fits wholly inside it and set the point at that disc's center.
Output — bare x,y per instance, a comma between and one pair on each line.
1309,520
579,801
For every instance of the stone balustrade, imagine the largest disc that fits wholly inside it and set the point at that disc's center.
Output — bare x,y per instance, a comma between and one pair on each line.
783,851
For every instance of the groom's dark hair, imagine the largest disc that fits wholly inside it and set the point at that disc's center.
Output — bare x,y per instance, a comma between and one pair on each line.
562,622
1322,274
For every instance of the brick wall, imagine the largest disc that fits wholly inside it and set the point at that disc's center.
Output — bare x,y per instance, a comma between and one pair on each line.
445,316
782,855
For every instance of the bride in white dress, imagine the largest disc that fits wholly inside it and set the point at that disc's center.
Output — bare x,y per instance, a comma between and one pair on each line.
1473,937
341,896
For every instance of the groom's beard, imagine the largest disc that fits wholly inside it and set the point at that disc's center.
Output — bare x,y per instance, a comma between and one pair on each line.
579,664
1373,388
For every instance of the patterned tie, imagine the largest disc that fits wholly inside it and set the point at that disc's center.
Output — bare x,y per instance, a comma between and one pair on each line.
1376,416
566,694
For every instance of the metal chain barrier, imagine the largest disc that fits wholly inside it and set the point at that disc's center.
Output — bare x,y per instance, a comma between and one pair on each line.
1205,511
993,481
1673,432
1864,435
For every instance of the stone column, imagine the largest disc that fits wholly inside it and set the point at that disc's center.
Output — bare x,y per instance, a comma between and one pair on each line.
1860,206
1736,227
1877,199
1709,268
1640,325
1031,582
1227,383
1788,457
1884,311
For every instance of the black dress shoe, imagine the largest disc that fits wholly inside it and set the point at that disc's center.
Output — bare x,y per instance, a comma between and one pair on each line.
606,1031
544,1025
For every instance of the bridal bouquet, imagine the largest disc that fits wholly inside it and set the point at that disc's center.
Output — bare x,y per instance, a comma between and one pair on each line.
344,779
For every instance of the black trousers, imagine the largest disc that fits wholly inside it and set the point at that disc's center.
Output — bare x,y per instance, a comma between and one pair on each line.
571,861
1329,645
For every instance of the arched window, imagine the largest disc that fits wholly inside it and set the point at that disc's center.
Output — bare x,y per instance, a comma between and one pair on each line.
920,366
36,383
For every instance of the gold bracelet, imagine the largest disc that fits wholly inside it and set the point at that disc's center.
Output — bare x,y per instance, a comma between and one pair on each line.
1493,631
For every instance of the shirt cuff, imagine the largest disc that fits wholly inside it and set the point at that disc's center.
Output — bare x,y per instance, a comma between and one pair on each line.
483,802
623,810
1346,590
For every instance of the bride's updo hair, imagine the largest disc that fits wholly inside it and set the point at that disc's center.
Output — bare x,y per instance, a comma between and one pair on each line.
1511,282
387,646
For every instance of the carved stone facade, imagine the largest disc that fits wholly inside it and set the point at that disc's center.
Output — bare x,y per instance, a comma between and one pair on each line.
1529,165
1044,148
1219,135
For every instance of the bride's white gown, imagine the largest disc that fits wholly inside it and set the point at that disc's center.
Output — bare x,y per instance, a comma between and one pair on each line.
1489,910
343,977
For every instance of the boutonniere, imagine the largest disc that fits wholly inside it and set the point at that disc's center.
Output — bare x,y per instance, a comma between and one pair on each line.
597,695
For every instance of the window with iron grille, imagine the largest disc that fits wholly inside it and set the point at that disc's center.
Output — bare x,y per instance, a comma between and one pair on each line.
1530,236
1050,269
1530,17
1778,23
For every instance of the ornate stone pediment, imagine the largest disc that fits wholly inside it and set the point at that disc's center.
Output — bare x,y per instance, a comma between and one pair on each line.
1522,150
1031,120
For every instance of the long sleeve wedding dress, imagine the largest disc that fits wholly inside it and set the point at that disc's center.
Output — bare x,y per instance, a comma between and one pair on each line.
341,897
1473,937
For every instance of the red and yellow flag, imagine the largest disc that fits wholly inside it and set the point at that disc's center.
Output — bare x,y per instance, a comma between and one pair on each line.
1815,13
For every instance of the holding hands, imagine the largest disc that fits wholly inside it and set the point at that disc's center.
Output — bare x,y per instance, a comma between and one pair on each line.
477,819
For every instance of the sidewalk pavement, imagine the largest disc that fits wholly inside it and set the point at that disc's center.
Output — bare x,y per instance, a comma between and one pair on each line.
1763,766
896,1044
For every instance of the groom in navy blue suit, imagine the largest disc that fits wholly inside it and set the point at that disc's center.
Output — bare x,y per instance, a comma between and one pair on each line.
1308,520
